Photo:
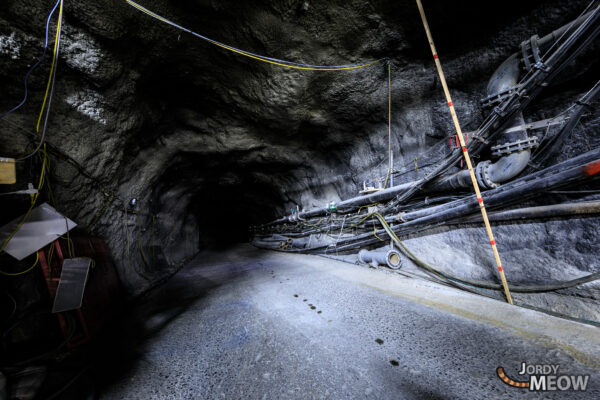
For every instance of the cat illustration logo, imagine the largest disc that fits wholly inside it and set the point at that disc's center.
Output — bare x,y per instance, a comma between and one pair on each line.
508,381
544,377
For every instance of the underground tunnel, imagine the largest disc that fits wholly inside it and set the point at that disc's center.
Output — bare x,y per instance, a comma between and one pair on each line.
293,199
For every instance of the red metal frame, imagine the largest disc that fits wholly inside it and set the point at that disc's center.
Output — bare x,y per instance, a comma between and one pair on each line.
455,144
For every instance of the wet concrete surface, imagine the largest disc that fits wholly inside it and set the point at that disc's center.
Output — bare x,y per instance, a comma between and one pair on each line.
251,324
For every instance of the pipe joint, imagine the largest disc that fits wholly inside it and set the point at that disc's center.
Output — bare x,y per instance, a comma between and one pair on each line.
391,258
482,173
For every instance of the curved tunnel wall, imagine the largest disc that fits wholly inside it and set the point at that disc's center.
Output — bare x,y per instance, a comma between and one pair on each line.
209,142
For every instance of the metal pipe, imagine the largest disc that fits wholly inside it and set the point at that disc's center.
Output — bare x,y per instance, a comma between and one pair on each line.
506,168
555,210
579,168
491,175
391,258
505,77
376,197
566,51
539,176
275,238
556,34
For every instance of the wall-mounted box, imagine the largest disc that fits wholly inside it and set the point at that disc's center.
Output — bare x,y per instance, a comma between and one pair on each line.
8,172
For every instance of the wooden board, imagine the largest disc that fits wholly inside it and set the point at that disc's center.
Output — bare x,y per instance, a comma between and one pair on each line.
8,172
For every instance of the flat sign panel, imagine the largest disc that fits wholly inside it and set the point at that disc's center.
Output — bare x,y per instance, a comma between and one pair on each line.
43,227
69,294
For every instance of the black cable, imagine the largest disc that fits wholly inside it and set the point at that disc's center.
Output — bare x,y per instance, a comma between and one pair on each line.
45,127
14,310
480,292
71,325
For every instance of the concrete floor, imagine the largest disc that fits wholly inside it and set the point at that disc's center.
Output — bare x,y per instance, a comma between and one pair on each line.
250,324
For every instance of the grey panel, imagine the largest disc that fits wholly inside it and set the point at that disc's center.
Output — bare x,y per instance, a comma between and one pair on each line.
43,226
69,294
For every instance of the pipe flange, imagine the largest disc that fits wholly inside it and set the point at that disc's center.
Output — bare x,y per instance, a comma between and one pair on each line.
391,258
513,147
394,261
482,173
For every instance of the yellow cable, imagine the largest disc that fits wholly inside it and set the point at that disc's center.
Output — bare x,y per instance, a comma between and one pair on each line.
45,158
54,56
375,231
37,259
389,126
311,225
370,205
362,220
386,226
295,66
146,11
48,185
30,207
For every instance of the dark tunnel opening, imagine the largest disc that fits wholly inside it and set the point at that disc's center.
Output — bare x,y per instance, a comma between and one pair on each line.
234,193
225,212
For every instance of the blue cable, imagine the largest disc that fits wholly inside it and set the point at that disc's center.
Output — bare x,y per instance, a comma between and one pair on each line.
36,64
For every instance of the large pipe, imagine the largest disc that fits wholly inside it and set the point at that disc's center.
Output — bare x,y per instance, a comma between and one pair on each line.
553,36
579,168
391,258
555,210
376,197
508,66
460,212
490,175
506,76
583,159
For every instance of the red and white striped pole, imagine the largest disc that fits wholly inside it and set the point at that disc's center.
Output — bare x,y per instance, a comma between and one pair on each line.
465,153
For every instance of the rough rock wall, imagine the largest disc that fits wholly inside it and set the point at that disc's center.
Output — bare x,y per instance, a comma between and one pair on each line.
210,142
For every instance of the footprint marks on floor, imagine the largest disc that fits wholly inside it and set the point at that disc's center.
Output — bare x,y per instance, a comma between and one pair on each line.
312,307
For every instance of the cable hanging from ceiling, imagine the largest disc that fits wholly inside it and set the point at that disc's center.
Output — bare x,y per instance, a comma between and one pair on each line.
270,60
30,71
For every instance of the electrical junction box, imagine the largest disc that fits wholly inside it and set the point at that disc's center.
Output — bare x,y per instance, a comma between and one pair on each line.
8,172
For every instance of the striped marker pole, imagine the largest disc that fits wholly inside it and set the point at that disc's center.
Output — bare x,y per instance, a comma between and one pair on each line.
465,153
